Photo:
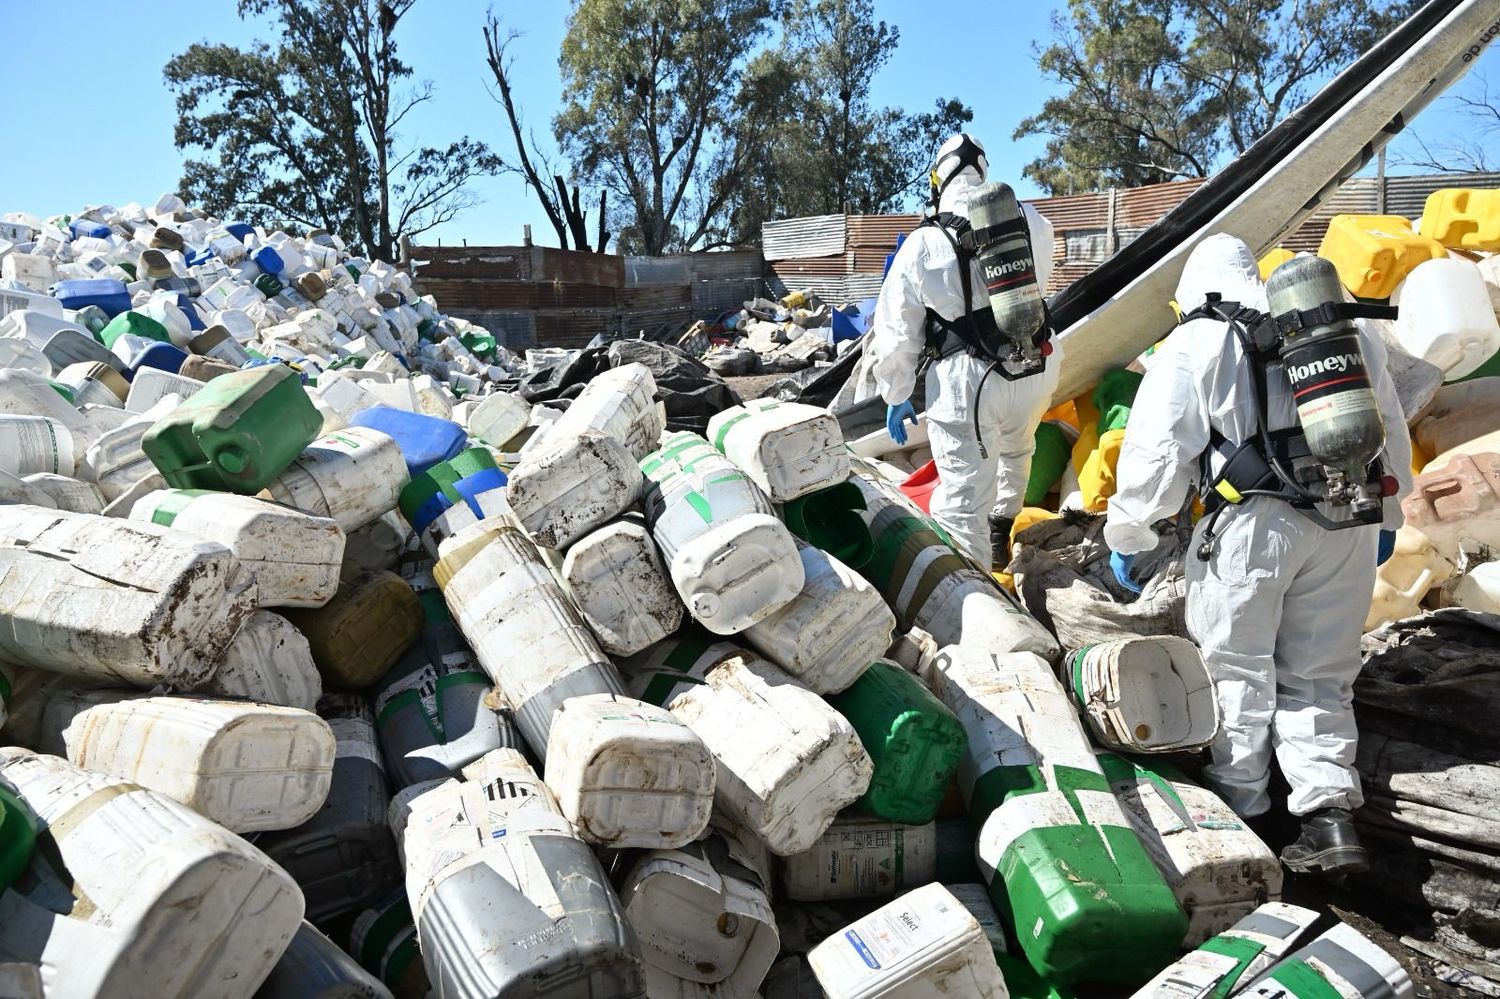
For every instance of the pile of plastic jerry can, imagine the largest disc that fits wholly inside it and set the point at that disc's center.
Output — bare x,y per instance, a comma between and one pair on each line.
329,666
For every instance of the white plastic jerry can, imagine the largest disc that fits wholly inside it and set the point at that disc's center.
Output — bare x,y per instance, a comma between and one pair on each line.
615,576
1145,695
155,901
269,661
249,767
571,484
862,857
507,900
1087,902
629,774
830,632
295,557
314,967
732,562
111,601
923,944
1340,964
496,418
67,493
786,761
524,630
1234,957
31,444
701,914
353,476
788,449
618,403
1218,868
931,586
1414,568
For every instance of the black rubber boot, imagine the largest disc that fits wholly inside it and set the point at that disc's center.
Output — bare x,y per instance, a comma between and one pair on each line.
1328,845
1000,542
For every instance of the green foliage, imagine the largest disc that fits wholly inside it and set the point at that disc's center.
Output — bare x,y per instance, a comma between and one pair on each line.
1157,90
702,134
305,132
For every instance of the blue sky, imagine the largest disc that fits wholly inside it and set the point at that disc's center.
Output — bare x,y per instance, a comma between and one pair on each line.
91,122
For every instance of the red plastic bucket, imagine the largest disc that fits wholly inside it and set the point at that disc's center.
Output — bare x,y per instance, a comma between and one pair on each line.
919,485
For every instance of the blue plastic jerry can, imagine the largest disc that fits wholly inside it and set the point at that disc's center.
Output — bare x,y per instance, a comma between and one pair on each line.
424,440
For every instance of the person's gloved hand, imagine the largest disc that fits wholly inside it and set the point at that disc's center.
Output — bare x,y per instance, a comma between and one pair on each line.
1122,564
1386,548
894,416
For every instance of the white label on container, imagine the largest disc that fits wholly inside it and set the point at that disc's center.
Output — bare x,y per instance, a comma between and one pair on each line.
890,935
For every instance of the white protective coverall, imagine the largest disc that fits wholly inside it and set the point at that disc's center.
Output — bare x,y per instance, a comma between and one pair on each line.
925,275
1279,607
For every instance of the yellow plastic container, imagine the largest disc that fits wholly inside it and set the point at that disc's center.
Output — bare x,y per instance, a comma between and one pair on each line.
1463,218
1097,476
1273,259
363,630
1374,253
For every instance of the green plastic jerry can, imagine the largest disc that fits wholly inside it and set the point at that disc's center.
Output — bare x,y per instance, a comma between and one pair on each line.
914,741
237,434
136,323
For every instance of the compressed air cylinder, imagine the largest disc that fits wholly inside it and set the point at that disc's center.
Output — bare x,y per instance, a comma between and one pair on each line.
508,901
733,563
1326,364
787,762
1086,901
527,634
1007,261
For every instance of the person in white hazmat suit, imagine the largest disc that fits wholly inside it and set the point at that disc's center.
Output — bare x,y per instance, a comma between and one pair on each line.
982,427
1279,605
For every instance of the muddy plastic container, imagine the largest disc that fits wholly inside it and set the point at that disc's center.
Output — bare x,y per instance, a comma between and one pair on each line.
1236,956
732,562
497,418
353,476
1218,868
294,557
1145,695
115,461
269,661
788,449
862,857
68,494
615,576
629,774
831,631
314,967
1458,504
618,403
177,906
931,586
1085,898
249,767
343,857
508,901
237,434
110,601
571,484
702,915
1343,963
506,602
436,711
786,761
923,944
914,741
361,633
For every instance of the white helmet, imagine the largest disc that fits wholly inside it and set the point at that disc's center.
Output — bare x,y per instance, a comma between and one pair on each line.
961,152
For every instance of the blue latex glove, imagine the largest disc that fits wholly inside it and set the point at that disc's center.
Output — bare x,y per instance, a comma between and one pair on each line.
1122,564
894,415
1386,548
